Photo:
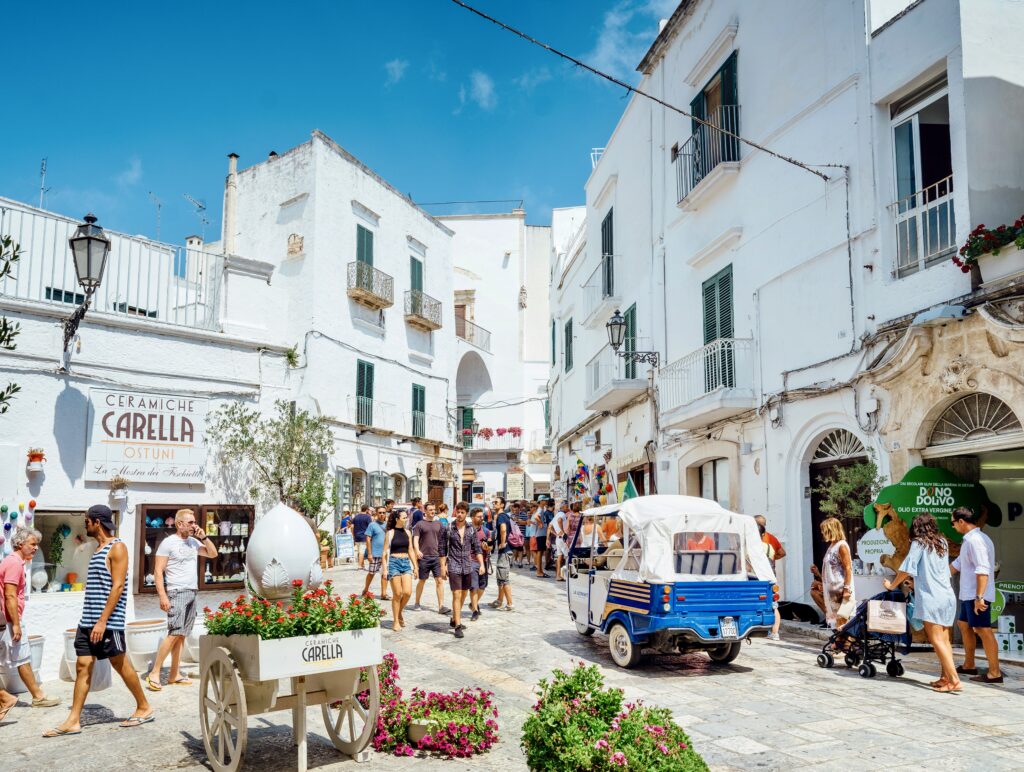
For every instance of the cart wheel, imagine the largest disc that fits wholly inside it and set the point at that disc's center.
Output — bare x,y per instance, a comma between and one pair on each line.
894,668
624,652
351,721
852,659
584,629
222,711
826,660
724,654
867,670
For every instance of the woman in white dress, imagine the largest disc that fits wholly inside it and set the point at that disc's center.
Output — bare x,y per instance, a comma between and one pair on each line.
837,574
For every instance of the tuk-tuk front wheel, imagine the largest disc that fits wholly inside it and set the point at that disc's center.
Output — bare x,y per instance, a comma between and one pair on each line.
726,653
584,629
624,652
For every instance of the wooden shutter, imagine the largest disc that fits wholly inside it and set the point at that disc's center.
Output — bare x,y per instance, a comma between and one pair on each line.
568,345
630,339
419,398
728,72
697,110
416,274
364,245
719,362
607,255
364,393
554,343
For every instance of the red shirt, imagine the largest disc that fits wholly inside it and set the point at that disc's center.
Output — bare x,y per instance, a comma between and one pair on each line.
705,545
769,538
12,571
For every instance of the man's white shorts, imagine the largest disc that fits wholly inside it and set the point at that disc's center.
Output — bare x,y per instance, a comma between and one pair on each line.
14,653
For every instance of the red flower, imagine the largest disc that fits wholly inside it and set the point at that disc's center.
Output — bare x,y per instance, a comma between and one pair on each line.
296,583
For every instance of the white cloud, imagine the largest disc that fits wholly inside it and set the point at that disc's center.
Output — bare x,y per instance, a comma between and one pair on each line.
627,31
462,100
132,175
528,81
396,71
481,90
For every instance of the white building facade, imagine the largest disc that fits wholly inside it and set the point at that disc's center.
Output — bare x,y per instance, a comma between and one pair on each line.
776,298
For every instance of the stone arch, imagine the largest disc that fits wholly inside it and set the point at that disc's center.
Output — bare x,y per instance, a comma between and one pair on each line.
472,380
690,463
979,414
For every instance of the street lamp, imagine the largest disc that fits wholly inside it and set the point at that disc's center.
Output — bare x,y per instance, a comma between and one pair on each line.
616,327
89,249
474,427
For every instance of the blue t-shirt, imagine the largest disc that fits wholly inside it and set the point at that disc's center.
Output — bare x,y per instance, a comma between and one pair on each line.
417,515
503,519
359,525
375,532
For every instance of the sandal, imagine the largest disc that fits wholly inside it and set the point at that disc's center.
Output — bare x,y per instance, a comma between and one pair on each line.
949,688
60,732
941,682
183,681
153,686
128,723
5,711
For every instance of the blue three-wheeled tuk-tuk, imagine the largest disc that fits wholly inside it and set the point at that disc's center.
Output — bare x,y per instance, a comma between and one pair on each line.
670,573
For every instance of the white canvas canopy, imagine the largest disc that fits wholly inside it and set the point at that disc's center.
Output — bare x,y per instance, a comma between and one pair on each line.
655,520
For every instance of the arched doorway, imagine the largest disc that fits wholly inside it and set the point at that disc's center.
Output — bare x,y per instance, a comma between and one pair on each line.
357,489
836,449
398,487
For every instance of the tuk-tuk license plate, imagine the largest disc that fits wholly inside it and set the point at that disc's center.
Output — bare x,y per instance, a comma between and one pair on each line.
728,627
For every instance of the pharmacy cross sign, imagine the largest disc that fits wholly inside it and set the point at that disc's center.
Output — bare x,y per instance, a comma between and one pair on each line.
146,437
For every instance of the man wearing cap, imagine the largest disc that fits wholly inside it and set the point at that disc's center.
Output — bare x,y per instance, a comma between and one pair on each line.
177,583
101,628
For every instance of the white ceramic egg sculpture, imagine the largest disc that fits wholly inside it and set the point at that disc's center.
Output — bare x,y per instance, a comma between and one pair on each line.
282,549
39,578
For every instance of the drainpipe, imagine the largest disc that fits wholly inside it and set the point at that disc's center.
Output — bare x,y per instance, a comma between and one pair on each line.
230,203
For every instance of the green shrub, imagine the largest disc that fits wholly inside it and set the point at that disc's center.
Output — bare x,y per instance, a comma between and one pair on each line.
578,724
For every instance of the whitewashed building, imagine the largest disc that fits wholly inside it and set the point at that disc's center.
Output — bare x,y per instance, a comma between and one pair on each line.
783,304
501,328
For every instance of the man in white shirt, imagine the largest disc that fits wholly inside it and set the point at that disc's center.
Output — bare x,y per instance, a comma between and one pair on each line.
976,565
560,547
177,583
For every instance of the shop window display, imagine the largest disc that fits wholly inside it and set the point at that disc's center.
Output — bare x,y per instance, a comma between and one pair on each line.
228,526
62,562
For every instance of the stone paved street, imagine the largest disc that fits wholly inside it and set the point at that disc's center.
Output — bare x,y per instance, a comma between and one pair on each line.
773,709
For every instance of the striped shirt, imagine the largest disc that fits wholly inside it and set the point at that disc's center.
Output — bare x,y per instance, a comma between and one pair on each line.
98,585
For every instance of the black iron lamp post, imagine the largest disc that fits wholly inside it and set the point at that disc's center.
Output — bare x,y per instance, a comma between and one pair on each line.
474,427
89,249
616,327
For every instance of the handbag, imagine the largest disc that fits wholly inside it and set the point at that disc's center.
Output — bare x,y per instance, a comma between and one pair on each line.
847,608
887,616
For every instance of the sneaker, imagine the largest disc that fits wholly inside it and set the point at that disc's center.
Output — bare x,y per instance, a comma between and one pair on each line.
415,607
476,616
46,702
460,626
444,610
495,604
451,623
773,637
509,608
459,633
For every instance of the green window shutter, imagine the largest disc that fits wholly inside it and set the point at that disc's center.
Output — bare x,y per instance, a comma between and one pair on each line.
554,343
568,345
608,255
364,393
419,398
697,110
364,245
607,235
467,421
630,341
729,90
416,274
719,361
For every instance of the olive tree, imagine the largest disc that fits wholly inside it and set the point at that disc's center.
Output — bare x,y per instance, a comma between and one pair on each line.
10,253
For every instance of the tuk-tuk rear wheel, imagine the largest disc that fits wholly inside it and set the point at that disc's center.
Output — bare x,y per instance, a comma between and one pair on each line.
624,652
726,653
584,629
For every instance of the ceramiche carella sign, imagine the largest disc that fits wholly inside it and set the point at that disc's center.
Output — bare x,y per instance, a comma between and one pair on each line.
318,650
146,437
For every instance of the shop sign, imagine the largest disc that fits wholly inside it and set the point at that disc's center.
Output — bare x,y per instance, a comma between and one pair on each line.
515,485
146,437
873,545
344,546
440,470
934,491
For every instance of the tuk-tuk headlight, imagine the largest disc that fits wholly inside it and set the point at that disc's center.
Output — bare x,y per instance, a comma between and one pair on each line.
666,607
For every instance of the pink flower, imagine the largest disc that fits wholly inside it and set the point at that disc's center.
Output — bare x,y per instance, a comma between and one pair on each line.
619,758
663,748
601,744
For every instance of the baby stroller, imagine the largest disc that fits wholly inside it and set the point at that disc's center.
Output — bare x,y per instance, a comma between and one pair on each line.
861,647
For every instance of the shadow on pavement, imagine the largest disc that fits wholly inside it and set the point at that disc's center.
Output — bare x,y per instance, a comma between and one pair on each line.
270,747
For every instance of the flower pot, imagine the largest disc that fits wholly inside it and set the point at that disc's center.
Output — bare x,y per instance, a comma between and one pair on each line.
976,279
36,457
418,729
119,494
35,466
142,638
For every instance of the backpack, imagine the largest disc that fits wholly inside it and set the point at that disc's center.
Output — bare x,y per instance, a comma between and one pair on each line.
515,536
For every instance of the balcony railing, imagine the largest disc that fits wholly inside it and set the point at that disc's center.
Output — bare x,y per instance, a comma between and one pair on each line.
706,148
599,292
419,424
427,426
595,156
367,411
505,441
609,371
144,279
369,286
722,364
422,311
925,227
473,333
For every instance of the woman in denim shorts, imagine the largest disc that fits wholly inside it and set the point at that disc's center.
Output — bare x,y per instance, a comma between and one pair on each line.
398,564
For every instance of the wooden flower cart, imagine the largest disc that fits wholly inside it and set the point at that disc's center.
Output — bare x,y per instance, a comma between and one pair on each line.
243,675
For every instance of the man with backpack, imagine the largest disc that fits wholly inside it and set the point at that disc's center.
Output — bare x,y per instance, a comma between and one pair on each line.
507,537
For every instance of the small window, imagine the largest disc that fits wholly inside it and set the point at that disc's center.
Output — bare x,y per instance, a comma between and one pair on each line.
714,481
64,296
706,553
415,274
568,345
364,245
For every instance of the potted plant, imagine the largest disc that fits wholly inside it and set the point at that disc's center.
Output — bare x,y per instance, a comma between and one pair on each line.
515,431
486,433
982,241
36,457
119,487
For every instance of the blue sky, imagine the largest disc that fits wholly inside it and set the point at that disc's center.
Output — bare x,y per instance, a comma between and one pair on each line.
126,98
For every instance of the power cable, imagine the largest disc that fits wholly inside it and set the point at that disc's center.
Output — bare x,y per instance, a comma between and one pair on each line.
635,90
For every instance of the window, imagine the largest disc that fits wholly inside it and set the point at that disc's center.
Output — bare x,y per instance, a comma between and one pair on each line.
466,423
415,487
554,343
343,478
714,481
717,104
922,160
707,554
415,273
382,487
364,393
719,359
64,296
124,308
364,245
419,418
630,339
568,345
607,256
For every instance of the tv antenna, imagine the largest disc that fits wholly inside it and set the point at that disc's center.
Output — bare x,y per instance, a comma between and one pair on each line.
43,190
200,206
159,206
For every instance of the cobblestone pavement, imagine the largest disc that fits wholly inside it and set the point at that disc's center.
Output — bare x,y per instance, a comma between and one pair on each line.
772,709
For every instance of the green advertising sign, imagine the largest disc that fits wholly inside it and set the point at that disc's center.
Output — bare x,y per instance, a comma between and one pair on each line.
934,491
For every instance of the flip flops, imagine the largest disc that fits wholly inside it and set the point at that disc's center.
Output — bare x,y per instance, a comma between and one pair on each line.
5,711
153,686
183,681
55,732
128,723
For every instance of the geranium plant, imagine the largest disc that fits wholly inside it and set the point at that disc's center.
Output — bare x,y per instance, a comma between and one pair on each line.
311,613
983,240
515,431
486,433
577,723
501,431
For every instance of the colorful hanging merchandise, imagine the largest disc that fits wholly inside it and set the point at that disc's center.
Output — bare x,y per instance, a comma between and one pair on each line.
604,491
581,479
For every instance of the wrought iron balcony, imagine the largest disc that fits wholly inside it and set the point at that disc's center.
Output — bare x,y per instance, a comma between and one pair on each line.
925,227
369,286
473,333
600,295
706,148
422,311
709,384
612,381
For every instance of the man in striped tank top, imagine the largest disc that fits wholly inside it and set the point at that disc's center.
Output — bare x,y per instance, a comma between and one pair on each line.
101,628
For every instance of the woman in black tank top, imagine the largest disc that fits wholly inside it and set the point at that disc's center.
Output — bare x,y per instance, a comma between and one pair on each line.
399,563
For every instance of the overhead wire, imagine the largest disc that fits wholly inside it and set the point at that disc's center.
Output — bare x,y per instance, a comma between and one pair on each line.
634,90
